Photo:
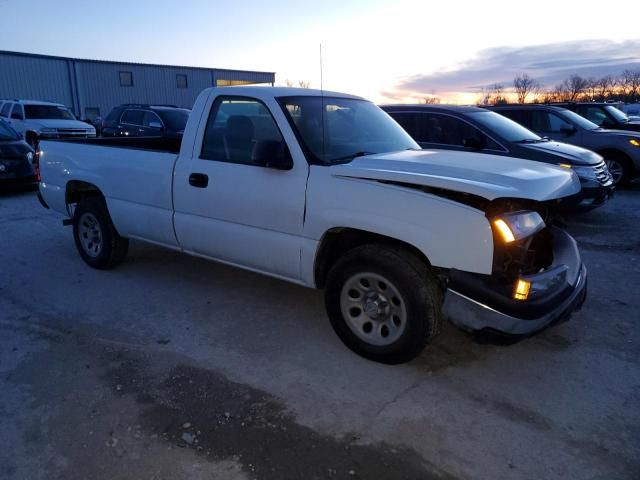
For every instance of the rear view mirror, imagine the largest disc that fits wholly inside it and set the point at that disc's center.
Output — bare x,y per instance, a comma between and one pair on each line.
474,143
272,154
157,125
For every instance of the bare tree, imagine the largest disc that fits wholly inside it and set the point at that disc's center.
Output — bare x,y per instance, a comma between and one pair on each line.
630,84
605,87
525,86
574,86
591,90
299,83
497,94
432,100
484,98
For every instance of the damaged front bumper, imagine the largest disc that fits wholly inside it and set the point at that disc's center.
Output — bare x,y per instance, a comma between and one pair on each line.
479,302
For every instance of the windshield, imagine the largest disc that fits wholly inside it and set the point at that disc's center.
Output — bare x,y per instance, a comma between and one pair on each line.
6,132
578,120
617,114
352,127
57,112
505,127
175,119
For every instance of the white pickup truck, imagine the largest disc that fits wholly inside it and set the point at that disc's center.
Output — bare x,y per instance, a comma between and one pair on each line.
327,191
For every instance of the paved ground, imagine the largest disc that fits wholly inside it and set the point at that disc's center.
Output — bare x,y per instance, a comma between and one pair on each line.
171,367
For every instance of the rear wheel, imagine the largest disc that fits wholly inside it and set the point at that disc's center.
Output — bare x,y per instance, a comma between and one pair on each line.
383,303
97,240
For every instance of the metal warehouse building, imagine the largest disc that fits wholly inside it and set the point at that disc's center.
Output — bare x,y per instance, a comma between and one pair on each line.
91,88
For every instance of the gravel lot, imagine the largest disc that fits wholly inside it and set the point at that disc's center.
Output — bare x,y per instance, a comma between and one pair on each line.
173,367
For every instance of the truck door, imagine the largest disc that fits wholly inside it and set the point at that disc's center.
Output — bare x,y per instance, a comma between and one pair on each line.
229,207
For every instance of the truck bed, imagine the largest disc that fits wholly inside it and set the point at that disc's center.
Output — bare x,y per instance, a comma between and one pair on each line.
156,144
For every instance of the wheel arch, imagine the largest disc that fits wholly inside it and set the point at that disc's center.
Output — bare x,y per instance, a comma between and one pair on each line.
76,190
31,134
337,241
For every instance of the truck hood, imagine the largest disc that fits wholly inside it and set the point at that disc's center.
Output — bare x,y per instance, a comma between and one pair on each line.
575,155
487,176
59,123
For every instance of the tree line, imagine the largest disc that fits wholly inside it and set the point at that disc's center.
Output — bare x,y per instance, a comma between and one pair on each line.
575,88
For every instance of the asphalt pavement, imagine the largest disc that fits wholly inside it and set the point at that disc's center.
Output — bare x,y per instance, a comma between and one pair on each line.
174,367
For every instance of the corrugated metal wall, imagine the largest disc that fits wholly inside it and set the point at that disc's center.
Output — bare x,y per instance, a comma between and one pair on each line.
89,84
99,84
35,78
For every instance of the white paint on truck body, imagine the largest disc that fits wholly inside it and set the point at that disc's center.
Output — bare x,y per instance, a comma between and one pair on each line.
272,221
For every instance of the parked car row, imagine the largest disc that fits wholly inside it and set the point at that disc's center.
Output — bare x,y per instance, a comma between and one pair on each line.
620,148
432,126
479,130
546,133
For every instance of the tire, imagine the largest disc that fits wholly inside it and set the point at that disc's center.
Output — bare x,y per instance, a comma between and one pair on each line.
96,238
32,139
406,305
620,169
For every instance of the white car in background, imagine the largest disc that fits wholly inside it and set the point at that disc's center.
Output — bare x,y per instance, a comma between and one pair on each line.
36,120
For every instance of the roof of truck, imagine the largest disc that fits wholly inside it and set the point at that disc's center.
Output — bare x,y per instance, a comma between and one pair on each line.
439,107
281,92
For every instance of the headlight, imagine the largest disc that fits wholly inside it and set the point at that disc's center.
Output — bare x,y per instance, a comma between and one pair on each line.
49,130
512,227
635,142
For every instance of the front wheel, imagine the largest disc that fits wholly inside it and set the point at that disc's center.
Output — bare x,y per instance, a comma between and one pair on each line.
383,303
620,170
96,238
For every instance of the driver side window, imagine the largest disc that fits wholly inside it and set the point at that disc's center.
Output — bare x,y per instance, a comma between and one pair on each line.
557,123
237,128
596,115
448,130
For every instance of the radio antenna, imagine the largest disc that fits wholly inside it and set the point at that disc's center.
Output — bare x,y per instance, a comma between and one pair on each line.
322,105
321,85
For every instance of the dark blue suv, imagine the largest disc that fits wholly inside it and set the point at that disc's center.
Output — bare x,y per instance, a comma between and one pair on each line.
137,120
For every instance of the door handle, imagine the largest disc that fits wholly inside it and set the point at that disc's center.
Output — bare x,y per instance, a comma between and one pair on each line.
199,180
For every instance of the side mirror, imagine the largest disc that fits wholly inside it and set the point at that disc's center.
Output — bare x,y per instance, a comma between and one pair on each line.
272,154
474,143
568,129
156,125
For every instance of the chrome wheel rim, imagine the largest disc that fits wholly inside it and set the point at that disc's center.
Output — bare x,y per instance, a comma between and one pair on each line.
615,169
373,308
90,234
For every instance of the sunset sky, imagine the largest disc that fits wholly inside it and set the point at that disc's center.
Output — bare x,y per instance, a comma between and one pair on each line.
396,51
